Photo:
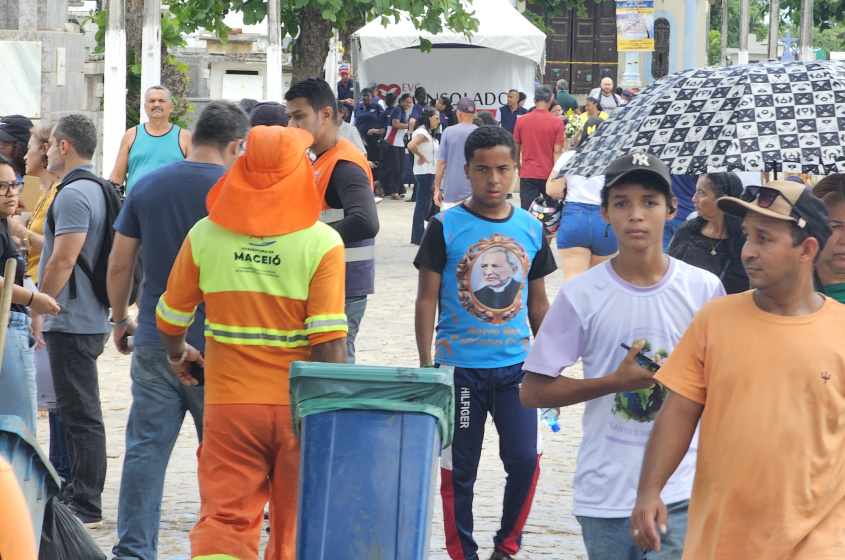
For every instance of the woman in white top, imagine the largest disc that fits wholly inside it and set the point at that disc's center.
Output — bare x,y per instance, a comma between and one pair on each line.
424,146
583,239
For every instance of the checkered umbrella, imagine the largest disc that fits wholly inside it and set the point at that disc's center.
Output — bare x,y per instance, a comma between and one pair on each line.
786,116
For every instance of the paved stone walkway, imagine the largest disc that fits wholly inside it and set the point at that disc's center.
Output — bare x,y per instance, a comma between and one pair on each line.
386,337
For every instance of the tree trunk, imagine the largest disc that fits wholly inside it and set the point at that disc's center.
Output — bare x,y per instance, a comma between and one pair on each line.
134,29
312,45
173,79
345,36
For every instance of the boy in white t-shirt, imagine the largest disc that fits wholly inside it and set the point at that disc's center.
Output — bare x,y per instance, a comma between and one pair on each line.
641,298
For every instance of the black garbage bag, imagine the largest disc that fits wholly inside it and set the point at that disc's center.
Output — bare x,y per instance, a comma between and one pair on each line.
64,537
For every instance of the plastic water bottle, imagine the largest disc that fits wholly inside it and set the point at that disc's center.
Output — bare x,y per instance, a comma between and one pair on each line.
550,416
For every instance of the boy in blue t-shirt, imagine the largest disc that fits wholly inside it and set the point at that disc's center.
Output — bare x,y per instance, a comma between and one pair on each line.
483,264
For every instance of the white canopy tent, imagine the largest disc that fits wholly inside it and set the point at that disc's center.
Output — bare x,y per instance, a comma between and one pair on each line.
503,54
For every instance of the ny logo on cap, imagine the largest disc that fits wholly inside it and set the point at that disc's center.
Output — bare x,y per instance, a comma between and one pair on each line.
640,159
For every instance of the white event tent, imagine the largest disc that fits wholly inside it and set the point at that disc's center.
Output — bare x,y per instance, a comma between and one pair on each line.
503,54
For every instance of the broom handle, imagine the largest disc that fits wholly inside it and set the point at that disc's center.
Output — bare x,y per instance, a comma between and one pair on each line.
6,301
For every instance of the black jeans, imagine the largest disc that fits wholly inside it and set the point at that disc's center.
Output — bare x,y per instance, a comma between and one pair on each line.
73,359
529,189
392,169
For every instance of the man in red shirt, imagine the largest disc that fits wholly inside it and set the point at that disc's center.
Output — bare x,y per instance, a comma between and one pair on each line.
539,140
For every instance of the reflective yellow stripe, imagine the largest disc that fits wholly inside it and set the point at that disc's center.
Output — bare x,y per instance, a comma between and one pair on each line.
174,316
256,336
325,323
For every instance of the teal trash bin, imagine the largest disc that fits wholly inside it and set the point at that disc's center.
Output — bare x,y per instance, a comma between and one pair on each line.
35,475
370,440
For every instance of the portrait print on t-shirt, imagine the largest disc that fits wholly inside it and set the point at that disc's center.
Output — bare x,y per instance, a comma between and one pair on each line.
491,277
642,405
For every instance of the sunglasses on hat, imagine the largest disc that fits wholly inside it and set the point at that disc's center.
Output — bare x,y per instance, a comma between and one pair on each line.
765,197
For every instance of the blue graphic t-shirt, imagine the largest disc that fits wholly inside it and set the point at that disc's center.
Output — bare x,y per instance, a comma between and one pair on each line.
485,268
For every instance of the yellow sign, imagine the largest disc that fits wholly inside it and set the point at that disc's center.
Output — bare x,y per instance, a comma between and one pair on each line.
635,25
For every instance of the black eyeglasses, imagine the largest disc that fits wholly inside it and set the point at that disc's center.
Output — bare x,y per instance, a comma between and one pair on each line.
13,188
765,197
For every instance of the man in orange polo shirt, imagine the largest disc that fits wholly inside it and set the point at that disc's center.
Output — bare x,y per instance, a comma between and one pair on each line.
764,372
272,279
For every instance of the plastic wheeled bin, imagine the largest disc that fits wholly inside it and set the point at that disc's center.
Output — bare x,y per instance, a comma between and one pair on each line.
35,475
370,440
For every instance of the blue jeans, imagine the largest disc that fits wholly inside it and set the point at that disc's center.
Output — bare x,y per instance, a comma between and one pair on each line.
355,307
58,449
610,538
159,404
423,194
17,376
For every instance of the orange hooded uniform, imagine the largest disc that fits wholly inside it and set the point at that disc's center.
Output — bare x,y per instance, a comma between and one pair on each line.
272,278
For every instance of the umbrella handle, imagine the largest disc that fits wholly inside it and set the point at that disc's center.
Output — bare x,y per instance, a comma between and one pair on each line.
6,301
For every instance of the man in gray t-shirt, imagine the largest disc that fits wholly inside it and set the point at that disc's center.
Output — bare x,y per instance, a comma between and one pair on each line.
608,101
75,339
451,160
81,208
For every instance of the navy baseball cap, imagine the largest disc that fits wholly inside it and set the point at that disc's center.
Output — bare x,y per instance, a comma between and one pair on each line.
268,113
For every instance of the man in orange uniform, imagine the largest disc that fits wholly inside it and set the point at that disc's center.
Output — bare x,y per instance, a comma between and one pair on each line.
271,276
345,188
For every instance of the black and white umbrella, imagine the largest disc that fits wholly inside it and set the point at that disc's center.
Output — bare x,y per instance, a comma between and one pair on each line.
783,116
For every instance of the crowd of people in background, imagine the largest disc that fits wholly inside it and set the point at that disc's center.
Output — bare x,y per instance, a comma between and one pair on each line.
657,269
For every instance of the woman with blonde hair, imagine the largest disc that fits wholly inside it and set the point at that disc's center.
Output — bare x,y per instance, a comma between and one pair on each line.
31,232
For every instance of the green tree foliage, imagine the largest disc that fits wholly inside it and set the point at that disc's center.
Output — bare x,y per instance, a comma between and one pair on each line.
826,13
758,12
429,15
714,47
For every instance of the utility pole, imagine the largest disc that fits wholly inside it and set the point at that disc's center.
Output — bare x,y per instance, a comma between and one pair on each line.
723,47
114,84
151,50
274,51
805,43
743,32
774,19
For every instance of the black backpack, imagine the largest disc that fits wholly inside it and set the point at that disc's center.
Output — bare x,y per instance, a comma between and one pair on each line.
97,275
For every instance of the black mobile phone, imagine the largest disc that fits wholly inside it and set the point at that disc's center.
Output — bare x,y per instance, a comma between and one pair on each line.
198,373
643,360
63,309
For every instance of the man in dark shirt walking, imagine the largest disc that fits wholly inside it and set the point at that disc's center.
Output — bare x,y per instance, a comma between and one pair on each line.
345,186
508,113
567,100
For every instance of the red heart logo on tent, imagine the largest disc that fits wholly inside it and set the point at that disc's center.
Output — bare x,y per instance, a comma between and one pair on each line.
385,89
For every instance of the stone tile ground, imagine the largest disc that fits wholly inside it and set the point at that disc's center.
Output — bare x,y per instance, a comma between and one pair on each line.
386,337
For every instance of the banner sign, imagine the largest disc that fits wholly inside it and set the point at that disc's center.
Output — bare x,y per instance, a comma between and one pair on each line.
635,25
483,75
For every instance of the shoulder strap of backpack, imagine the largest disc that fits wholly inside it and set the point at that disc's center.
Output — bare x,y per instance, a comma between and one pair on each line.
51,220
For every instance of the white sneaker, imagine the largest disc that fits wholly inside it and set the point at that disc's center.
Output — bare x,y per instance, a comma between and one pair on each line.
378,199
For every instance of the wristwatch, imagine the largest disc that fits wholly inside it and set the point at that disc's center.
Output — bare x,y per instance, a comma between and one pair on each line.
125,323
